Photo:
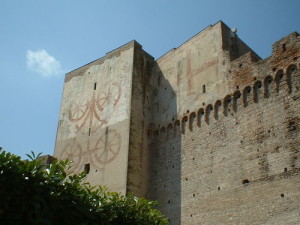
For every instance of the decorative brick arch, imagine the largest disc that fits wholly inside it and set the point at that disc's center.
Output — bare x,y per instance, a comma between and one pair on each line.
226,103
200,114
291,77
279,79
236,96
217,107
257,90
267,84
208,110
246,94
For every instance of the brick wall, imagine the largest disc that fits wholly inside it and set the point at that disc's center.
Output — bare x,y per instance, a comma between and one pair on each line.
236,160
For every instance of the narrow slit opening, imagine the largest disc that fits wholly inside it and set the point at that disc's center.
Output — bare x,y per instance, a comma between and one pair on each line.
87,168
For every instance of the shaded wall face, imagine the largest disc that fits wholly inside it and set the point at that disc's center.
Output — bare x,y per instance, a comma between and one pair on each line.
166,176
93,129
164,144
194,72
138,158
182,79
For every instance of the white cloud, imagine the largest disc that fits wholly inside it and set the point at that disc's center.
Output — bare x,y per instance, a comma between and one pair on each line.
43,63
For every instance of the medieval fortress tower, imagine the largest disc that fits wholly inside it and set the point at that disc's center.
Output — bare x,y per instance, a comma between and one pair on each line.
209,129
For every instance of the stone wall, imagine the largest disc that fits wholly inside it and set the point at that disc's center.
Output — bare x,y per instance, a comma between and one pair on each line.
140,115
94,122
235,158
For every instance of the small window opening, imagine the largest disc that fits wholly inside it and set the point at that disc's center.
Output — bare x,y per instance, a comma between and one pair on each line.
169,201
203,89
95,86
246,181
292,125
194,195
285,169
281,195
87,168
283,47
219,188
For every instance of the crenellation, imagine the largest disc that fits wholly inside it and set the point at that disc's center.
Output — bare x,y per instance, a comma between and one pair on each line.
285,43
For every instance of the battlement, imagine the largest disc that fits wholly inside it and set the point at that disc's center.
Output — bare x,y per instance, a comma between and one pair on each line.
285,44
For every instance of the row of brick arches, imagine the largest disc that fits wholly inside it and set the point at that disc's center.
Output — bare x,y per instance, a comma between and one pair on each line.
283,81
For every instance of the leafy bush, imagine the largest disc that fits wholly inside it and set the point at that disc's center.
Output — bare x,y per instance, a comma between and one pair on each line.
32,193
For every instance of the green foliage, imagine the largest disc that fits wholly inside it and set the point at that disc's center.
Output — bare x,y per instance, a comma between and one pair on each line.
31,193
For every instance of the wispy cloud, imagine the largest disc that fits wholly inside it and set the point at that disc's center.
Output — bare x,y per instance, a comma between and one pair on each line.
43,63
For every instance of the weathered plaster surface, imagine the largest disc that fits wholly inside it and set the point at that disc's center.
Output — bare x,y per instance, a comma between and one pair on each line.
95,117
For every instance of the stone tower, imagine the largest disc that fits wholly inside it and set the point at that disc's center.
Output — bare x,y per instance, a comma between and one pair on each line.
209,129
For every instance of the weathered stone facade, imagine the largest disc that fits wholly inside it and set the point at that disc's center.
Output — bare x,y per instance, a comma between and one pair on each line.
209,129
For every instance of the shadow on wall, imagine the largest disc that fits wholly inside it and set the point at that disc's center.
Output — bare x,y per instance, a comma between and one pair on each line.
165,147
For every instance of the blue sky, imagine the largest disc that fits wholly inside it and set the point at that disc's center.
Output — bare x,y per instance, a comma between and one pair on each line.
42,40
